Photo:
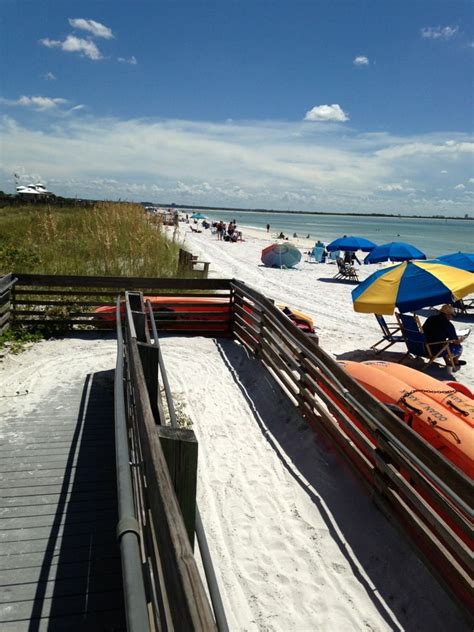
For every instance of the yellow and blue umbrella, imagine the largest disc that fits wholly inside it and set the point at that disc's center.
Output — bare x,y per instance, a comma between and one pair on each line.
410,286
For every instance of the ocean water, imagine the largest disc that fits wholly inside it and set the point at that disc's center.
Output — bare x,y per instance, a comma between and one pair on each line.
434,237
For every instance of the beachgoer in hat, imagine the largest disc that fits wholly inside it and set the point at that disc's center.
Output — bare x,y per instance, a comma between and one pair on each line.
439,328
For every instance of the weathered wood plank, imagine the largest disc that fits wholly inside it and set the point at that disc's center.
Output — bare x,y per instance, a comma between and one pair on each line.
73,509
81,541
100,515
189,607
78,555
180,449
84,604
88,526
21,585
104,620
121,282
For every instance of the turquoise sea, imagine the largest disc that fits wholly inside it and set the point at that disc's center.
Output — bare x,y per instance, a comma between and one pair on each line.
434,237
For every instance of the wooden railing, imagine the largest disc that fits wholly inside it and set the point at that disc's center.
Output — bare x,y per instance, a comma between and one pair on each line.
70,301
7,283
428,497
175,592
410,481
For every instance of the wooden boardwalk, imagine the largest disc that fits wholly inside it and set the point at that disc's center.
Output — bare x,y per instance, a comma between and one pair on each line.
59,560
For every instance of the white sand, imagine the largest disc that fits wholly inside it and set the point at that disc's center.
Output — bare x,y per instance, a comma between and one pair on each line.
296,541
311,288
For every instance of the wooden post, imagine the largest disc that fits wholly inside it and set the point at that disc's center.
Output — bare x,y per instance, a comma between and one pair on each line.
138,314
180,448
149,357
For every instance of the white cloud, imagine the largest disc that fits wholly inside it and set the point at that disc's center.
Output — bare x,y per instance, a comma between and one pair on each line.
361,60
471,180
443,171
326,113
128,60
49,76
50,43
73,44
254,164
439,32
396,187
37,103
95,28
459,187
390,188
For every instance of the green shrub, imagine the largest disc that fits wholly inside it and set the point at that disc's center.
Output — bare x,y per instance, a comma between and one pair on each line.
105,239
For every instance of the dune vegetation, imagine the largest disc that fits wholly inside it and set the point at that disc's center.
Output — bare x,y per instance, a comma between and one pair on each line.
108,238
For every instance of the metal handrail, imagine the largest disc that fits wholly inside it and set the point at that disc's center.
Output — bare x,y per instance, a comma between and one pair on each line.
128,529
211,578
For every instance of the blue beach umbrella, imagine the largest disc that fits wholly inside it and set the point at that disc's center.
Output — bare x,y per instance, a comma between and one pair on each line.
351,244
463,260
280,256
198,216
395,251
410,286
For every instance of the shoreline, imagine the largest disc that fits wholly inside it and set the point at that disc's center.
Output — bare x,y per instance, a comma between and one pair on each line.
312,289
430,237
183,208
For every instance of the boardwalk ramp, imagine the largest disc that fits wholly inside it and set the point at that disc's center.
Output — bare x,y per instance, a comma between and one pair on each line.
59,562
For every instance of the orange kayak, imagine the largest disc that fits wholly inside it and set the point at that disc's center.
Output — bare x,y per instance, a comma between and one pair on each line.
209,308
455,401
445,431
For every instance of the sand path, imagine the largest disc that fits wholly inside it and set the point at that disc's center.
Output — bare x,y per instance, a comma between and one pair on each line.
296,541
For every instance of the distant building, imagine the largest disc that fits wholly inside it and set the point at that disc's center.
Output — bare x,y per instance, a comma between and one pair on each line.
33,191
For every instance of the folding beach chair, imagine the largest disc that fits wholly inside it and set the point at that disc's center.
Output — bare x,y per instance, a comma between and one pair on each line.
389,331
462,307
316,255
345,271
417,344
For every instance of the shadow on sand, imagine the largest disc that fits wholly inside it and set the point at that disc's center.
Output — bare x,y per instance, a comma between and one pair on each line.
437,370
333,280
381,560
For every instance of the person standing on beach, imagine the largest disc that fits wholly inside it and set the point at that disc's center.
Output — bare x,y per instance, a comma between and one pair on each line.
268,228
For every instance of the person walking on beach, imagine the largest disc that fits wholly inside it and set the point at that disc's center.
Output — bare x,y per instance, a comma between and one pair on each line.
268,228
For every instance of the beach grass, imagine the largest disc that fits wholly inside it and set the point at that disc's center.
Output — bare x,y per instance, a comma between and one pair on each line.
109,238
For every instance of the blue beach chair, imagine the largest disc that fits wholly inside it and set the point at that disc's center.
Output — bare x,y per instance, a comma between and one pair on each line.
316,255
389,331
417,344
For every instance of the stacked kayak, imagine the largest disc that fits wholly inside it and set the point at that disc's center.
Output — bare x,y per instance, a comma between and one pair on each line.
439,413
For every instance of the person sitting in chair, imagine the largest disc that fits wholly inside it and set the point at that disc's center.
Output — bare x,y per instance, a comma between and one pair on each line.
439,328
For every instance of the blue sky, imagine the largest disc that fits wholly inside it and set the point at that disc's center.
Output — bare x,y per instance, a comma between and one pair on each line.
362,106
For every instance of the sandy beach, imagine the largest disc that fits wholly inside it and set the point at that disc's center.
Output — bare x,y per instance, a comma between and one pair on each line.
296,541
311,288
